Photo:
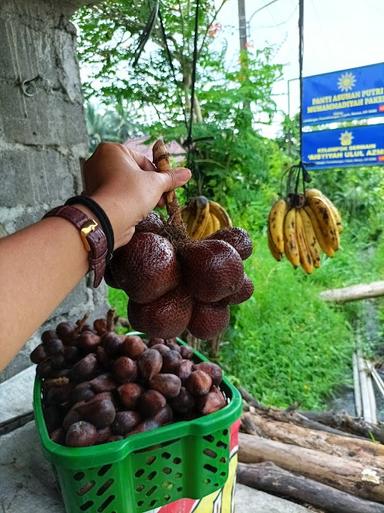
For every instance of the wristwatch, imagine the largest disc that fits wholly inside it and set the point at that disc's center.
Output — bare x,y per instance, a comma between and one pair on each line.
92,236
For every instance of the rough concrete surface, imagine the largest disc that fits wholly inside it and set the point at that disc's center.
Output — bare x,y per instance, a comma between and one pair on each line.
16,394
42,130
249,500
26,480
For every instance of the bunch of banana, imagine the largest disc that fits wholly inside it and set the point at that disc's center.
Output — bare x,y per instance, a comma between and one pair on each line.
302,226
202,217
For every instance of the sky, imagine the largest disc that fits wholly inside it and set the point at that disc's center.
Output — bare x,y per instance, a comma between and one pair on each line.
338,34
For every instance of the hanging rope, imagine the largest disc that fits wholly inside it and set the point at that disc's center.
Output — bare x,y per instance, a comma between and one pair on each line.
297,171
146,34
301,58
193,78
189,141
170,61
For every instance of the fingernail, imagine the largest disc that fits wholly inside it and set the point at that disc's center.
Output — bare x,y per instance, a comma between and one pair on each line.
183,173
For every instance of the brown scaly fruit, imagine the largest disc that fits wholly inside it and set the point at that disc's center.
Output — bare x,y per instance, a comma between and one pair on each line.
152,223
165,317
244,293
237,238
212,269
208,320
211,402
146,268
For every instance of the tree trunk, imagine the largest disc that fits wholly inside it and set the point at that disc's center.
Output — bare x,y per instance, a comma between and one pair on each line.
296,417
347,423
342,473
270,478
360,291
369,453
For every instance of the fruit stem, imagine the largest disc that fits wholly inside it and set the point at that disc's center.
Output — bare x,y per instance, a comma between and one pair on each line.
80,323
111,319
161,161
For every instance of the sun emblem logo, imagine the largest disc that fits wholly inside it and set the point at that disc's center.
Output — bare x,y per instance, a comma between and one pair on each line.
346,82
346,138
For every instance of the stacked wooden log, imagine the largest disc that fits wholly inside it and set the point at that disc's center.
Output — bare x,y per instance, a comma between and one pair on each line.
332,462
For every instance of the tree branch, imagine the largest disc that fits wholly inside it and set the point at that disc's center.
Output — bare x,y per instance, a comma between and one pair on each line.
209,25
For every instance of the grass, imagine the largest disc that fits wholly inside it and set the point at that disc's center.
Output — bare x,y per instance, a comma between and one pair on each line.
286,345
118,299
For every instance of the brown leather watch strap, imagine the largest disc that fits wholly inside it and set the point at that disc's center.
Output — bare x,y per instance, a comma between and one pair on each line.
92,236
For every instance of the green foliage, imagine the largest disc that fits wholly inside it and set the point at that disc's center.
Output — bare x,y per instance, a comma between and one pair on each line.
286,344
110,34
114,124
118,300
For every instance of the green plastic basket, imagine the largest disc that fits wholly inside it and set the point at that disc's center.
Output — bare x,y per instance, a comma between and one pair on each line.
188,459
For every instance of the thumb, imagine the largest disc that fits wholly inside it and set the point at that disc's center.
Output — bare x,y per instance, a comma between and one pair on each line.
175,178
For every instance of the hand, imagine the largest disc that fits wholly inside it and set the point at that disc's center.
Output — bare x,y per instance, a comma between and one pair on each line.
126,185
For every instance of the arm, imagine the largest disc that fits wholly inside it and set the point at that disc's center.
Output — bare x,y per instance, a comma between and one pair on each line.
42,263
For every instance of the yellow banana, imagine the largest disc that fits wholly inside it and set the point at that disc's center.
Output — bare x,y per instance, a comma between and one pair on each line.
276,223
325,246
305,255
221,214
290,241
310,237
215,223
208,228
201,218
272,248
185,214
326,220
317,193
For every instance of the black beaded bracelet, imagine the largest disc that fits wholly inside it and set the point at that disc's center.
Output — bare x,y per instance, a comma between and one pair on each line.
100,214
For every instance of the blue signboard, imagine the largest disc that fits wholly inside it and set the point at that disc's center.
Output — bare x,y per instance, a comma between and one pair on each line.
343,147
348,94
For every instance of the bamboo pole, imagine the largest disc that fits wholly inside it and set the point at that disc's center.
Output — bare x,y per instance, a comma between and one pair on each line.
354,292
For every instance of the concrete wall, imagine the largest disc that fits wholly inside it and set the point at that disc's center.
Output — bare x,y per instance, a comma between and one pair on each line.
42,129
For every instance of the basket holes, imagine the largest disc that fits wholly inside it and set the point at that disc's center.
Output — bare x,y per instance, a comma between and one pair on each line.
210,453
166,455
225,432
104,469
180,488
178,475
167,498
86,505
78,476
167,470
85,488
151,491
152,503
140,503
150,460
223,474
210,468
152,475
221,444
104,487
168,485
216,485
106,503
223,460
139,472
209,438
207,481
177,461
140,488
